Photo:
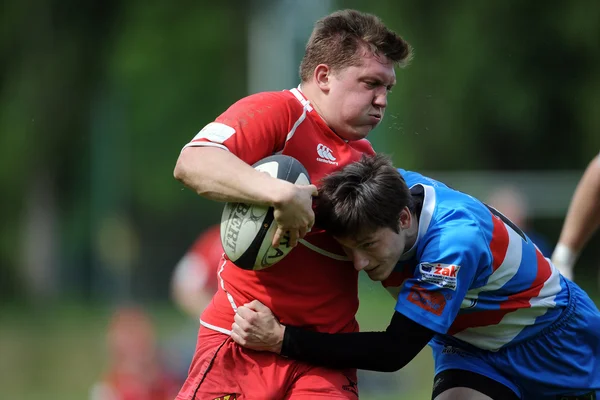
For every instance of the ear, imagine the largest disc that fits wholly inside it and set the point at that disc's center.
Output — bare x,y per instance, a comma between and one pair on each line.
322,77
405,218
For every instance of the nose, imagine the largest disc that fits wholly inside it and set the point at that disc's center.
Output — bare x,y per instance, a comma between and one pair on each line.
359,260
380,99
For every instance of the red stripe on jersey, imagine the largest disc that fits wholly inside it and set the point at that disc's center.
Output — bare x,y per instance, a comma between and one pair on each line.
475,319
499,243
522,299
514,302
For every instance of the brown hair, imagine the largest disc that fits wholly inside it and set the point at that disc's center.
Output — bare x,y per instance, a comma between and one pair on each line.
338,37
362,197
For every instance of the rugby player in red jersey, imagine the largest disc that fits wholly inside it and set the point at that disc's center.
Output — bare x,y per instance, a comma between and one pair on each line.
346,74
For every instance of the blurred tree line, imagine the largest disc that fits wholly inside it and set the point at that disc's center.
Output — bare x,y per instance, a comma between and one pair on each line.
98,98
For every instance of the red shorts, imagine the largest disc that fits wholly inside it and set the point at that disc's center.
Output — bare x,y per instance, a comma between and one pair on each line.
221,368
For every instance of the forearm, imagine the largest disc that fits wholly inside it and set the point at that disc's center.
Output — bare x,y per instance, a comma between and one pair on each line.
583,216
377,351
219,175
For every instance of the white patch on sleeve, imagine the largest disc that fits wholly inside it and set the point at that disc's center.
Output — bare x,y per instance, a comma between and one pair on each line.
215,132
442,275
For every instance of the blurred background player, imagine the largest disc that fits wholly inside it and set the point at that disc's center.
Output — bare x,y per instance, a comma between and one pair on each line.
193,285
513,204
582,220
195,275
135,369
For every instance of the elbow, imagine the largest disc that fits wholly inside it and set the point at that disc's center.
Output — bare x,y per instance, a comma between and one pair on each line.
188,171
183,169
179,172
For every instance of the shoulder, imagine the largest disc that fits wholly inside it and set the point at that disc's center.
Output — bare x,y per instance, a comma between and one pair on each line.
278,110
452,216
268,103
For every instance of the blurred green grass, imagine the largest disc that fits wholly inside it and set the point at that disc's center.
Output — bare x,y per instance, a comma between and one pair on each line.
58,351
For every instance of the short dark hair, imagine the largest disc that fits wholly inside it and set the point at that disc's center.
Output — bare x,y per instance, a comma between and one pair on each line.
362,197
337,37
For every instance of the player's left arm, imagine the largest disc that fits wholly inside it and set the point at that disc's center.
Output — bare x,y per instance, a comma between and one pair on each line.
257,328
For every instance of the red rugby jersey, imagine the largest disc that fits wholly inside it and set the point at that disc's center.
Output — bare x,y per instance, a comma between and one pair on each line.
314,286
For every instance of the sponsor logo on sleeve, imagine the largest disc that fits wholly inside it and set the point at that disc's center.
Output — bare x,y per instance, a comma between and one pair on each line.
431,301
215,132
442,275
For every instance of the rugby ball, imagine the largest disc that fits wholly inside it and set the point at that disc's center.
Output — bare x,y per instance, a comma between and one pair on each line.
247,230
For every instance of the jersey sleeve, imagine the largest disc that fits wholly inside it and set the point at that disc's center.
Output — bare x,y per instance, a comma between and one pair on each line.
449,261
252,128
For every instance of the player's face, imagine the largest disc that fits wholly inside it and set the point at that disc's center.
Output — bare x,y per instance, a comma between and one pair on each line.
357,97
376,253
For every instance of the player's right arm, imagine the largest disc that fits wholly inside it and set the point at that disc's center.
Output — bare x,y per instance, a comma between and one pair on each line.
216,164
582,220
220,175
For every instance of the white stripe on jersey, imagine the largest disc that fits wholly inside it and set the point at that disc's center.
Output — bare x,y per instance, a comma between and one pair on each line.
296,125
424,220
507,270
323,252
307,108
205,144
296,92
549,291
222,283
493,337
215,328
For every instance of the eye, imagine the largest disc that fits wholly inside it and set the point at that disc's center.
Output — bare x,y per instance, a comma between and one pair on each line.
367,245
389,88
371,85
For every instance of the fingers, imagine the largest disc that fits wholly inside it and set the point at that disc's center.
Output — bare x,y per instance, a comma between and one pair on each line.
302,232
238,335
315,191
277,237
242,325
246,313
293,237
256,306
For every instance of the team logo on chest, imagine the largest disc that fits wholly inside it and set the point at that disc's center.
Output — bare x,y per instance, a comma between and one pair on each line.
325,155
442,275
